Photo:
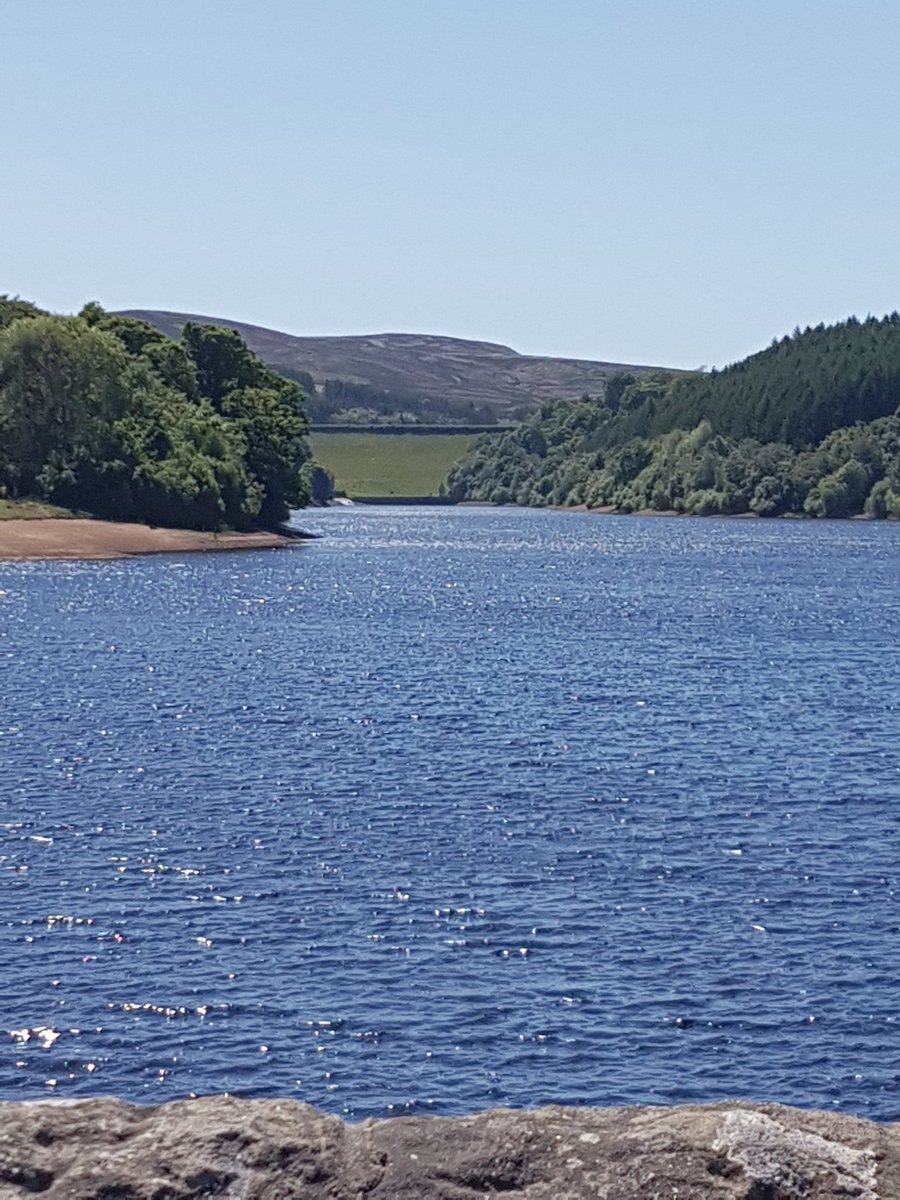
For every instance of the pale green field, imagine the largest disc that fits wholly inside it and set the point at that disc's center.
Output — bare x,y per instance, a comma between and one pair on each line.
389,464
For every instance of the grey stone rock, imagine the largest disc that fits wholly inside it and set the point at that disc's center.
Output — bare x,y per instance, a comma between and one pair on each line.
285,1150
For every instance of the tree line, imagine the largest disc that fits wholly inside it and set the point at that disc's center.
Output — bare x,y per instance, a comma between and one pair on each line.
105,414
348,402
808,426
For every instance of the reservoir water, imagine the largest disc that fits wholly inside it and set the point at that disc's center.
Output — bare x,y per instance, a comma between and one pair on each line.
455,808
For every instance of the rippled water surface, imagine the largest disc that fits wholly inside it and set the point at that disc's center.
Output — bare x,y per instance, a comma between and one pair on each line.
458,808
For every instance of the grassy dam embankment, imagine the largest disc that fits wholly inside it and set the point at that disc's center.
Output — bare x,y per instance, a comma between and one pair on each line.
389,465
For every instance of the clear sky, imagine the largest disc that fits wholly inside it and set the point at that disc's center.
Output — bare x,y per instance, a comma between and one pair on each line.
651,181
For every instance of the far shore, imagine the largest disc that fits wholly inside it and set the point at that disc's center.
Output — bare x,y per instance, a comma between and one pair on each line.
84,538
612,511
609,510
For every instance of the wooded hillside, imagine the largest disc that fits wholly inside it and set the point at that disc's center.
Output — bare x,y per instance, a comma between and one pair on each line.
806,426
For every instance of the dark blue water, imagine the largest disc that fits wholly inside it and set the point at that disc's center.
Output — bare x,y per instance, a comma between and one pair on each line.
455,808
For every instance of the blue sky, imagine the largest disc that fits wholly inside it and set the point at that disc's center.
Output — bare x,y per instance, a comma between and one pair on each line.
655,181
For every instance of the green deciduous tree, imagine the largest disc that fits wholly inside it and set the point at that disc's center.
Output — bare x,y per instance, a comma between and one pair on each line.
223,362
104,413
274,428
61,386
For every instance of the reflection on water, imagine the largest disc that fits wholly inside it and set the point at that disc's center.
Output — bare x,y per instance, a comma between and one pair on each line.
455,808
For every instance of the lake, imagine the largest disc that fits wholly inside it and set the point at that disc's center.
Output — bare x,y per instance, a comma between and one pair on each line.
458,808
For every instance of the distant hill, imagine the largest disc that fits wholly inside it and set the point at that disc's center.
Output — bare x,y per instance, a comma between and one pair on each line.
465,376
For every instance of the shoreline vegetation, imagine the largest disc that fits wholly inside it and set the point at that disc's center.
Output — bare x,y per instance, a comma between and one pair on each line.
104,415
809,427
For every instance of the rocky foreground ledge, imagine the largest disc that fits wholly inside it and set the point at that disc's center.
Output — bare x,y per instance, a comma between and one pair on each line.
281,1149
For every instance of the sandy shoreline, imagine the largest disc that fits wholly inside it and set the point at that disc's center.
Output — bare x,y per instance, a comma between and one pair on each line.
81,538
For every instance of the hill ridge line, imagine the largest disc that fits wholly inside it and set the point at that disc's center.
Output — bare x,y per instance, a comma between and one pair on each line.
433,366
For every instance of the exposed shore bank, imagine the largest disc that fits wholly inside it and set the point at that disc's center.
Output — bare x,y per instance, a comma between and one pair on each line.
229,1147
611,511
84,538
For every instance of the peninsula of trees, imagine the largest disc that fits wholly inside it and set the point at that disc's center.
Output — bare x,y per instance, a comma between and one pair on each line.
809,426
105,414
